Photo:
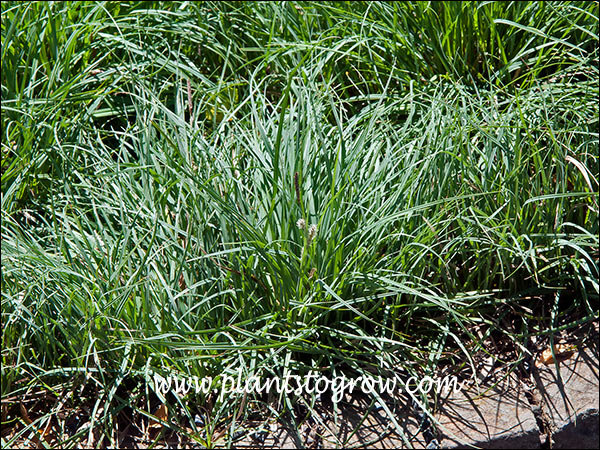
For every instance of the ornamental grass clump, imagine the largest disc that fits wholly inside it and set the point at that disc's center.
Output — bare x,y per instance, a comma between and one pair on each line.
444,194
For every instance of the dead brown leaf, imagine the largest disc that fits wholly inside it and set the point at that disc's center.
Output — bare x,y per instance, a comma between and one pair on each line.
561,351
45,433
161,413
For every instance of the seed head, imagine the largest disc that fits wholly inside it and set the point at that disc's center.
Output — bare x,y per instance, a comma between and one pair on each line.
301,224
297,187
312,232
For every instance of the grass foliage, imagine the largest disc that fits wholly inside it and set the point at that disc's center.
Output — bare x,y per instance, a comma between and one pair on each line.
157,157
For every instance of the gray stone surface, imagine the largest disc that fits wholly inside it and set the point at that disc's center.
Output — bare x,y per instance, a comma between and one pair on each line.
579,433
492,414
572,390
570,397
488,416
566,397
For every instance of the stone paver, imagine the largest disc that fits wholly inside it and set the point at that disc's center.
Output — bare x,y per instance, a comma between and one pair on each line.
566,400
496,413
498,418
570,400
582,433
